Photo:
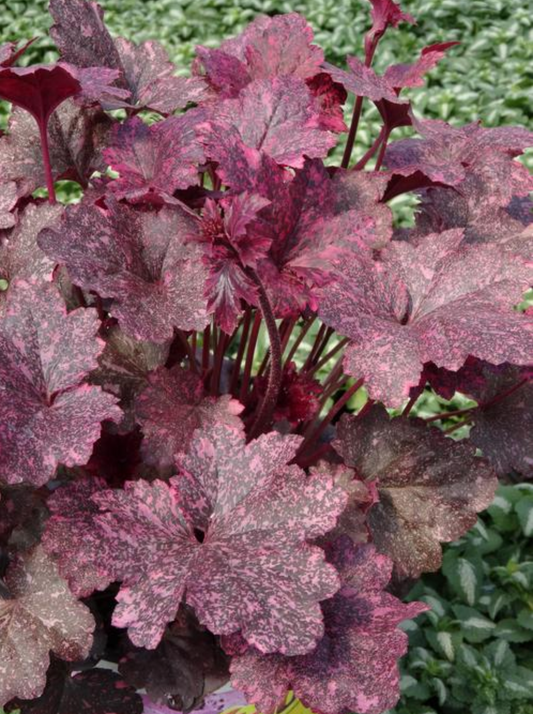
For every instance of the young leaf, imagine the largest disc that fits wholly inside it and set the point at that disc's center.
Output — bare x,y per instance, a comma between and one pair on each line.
430,487
39,615
433,301
138,258
53,416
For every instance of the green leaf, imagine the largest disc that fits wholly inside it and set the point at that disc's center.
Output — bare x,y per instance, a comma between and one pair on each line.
475,626
525,618
511,631
465,576
524,509
519,684
498,600
414,689
444,643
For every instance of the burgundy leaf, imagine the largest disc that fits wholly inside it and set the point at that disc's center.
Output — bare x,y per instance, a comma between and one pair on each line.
330,97
235,509
148,74
504,427
73,513
21,259
445,152
430,487
269,47
96,691
154,160
9,53
298,397
49,416
8,200
363,81
75,136
385,13
140,259
412,75
172,406
187,665
437,301
445,383
278,116
354,666
39,615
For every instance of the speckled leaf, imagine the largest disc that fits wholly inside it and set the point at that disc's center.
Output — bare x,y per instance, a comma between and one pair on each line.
148,74
330,96
20,256
96,691
8,200
72,517
504,427
430,487
385,13
412,75
75,136
153,161
434,301
269,47
172,406
140,259
187,665
40,615
81,36
445,152
278,116
363,81
236,509
48,415
354,666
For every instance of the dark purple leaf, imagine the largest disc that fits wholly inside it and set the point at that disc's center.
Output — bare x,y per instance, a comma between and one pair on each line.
140,259
154,161
354,666
9,53
187,665
172,406
278,116
49,416
39,615
148,74
434,301
504,427
96,691
217,536
21,259
430,487
330,97
363,81
298,396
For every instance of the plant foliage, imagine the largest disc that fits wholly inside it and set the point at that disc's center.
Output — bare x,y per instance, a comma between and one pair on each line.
175,498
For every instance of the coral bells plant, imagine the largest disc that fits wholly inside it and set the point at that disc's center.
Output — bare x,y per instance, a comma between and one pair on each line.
177,497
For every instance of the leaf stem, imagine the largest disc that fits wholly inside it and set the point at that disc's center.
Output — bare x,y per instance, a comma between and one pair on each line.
370,153
240,352
45,149
266,410
248,365
350,141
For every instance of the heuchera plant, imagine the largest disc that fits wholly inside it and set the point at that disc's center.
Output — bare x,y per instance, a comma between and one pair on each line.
175,500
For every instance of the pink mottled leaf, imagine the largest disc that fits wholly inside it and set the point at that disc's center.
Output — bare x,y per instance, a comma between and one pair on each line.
385,13
430,487
8,200
153,161
172,406
269,47
503,427
363,81
49,416
412,75
354,666
140,259
437,301
217,536
330,96
20,256
95,691
278,116
39,615
187,665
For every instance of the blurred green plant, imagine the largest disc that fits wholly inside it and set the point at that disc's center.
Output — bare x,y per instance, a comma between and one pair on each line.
472,652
